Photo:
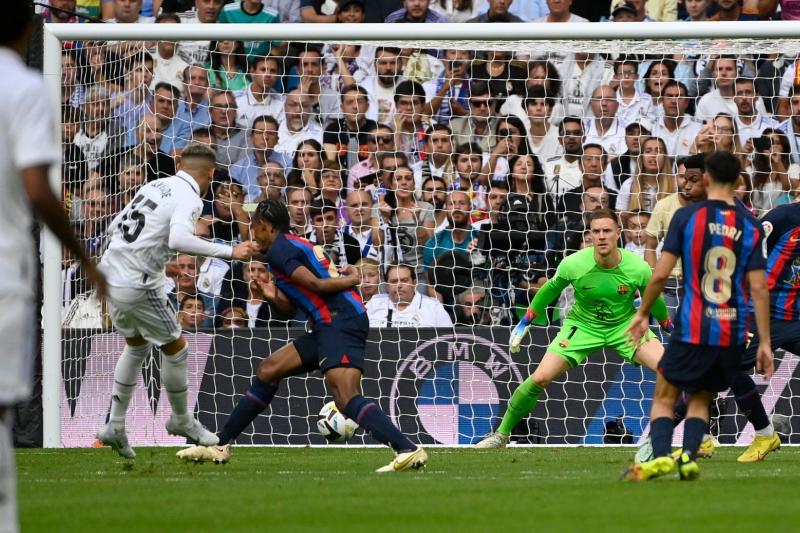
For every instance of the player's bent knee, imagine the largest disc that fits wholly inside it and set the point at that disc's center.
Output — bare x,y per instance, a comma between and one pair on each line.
542,378
269,372
174,347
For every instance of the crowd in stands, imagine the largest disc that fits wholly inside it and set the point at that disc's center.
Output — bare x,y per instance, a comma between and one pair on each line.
455,179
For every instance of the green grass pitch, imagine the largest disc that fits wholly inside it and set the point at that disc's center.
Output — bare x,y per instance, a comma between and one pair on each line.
304,489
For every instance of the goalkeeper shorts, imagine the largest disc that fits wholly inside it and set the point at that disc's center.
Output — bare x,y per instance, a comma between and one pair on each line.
575,342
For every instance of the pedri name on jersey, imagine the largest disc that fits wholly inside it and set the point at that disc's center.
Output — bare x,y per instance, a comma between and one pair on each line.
716,228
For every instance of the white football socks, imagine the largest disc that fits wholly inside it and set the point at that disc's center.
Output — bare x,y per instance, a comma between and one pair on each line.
766,432
8,477
175,378
126,373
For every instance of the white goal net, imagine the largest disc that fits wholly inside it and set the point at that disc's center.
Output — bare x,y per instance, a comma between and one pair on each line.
471,163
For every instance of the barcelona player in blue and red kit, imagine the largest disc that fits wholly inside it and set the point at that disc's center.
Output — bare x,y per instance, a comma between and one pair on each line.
723,257
305,278
782,232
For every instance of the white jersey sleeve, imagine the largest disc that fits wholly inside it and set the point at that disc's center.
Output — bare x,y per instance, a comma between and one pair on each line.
139,236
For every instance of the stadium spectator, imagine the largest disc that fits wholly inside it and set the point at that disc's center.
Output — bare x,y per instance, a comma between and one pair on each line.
696,10
288,10
408,119
656,76
185,286
674,126
128,12
298,126
130,105
559,11
721,99
263,139
260,97
512,140
563,173
298,200
94,220
259,282
227,66
771,176
791,127
351,11
450,89
624,12
542,133
582,74
653,181
342,249
271,182
719,134
330,11
146,147
345,139
98,135
331,189
438,156
226,221
382,86
192,313
541,73
633,233
458,10
72,88
60,12
605,128
633,104
470,308
434,192
730,10
193,107
403,306
176,133
750,123
504,77
388,162
468,164
363,226
342,65
250,12
234,316
230,140
169,66
380,139
370,285
478,125
416,11
204,12
306,168
499,11
132,175
592,166
459,235
409,223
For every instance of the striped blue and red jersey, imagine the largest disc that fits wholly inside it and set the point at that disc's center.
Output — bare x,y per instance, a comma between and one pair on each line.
782,231
289,252
718,244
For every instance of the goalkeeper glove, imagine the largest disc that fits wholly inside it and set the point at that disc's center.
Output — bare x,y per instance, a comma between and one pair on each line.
667,325
520,330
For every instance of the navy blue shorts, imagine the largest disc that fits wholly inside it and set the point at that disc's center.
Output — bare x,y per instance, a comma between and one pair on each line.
784,333
338,344
693,367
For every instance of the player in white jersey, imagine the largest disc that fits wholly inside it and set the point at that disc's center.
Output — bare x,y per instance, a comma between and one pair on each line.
27,150
159,220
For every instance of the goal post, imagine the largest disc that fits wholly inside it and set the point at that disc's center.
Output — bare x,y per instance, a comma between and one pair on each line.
412,355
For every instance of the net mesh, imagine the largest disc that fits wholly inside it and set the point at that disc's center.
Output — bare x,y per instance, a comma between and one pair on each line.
472,163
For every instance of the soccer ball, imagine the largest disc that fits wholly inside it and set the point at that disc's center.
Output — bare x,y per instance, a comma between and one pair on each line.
334,426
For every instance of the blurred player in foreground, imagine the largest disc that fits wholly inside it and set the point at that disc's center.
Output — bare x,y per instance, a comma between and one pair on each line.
606,280
27,150
722,251
305,278
159,220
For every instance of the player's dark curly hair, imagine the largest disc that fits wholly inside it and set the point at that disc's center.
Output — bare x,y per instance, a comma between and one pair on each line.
17,17
275,212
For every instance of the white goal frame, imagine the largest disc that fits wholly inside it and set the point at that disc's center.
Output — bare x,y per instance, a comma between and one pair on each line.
54,34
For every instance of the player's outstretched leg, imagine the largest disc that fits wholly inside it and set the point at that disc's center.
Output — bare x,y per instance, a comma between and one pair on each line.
126,373
345,384
284,362
175,378
524,399
748,400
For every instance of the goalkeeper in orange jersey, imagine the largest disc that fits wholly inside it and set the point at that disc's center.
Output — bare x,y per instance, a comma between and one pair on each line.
606,280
